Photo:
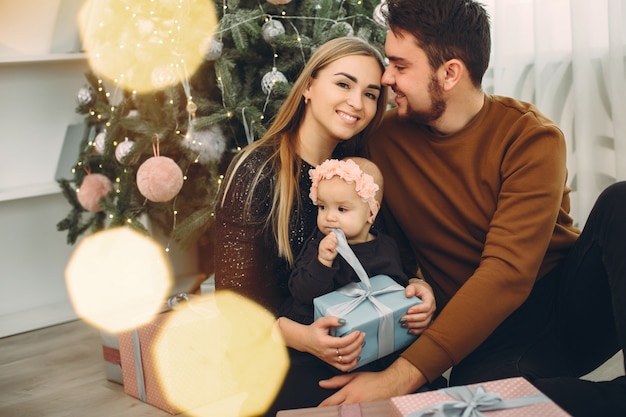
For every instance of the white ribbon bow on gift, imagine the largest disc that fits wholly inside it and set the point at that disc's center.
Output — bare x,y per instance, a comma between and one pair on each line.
361,291
471,401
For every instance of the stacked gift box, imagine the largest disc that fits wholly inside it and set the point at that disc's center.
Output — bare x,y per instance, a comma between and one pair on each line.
138,365
511,397
189,284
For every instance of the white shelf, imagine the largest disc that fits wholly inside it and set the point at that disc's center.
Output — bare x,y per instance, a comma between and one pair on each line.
36,59
28,191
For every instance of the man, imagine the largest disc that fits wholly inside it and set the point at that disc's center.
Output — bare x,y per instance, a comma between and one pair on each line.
476,196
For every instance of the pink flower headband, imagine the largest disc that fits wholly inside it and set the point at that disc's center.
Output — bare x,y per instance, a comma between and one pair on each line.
350,172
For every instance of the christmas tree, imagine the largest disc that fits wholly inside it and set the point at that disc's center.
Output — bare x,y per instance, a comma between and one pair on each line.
160,153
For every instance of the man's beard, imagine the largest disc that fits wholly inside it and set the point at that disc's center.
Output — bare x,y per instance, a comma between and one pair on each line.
438,105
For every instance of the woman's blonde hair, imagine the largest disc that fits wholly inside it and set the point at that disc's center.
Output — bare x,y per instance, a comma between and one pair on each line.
281,138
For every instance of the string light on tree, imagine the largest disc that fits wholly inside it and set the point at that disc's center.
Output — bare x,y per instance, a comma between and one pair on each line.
203,117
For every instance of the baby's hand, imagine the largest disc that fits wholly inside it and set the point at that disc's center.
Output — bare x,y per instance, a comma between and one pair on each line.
327,251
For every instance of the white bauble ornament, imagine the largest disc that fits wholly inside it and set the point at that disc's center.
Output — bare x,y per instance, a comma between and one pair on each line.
122,149
85,96
379,19
214,51
271,29
98,142
159,179
271,78
163,76
209,144
344,27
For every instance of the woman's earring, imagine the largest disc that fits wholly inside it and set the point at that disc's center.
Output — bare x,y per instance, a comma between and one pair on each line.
306,100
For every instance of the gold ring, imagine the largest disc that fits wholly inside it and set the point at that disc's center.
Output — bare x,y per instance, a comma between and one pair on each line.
337,350
340,359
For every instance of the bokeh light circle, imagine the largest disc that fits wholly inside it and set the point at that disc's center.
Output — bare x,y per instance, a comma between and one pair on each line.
220,355
134,43
118,279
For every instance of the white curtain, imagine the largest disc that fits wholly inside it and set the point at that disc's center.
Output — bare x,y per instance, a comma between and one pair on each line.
568,57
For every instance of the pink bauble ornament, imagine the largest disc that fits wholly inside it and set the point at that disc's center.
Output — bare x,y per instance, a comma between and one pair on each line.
277,2
93,188
159,179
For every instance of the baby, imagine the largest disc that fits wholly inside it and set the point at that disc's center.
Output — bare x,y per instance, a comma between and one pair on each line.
348,194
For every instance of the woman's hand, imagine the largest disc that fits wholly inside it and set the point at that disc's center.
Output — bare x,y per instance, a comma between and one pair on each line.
419,317
340,352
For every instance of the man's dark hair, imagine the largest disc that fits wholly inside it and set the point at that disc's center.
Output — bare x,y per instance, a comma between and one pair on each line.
445,29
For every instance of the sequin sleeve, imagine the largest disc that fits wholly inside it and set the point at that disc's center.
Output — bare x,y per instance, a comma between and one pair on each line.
246,258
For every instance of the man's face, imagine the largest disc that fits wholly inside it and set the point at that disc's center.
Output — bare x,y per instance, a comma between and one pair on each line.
418,93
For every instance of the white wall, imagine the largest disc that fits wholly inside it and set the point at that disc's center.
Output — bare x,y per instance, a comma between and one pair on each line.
40,75
37,101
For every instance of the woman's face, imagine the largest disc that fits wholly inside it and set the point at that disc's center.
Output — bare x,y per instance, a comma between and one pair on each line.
342,98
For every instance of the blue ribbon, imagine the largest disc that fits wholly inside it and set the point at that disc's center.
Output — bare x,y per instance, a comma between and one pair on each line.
472,400
363,291
141,383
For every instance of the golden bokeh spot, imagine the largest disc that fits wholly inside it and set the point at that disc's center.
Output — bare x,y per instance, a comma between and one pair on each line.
118,279
146,45
219,355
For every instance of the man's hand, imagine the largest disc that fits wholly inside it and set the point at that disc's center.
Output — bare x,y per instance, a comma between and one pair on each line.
400,378
419,317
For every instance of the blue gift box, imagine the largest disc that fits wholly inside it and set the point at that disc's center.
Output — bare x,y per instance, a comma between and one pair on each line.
366,317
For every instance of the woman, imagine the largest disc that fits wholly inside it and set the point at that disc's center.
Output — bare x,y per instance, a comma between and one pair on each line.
264,214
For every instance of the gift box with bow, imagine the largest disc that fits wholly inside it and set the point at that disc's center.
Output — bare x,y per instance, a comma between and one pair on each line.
374,306
111,356
511,397
140,379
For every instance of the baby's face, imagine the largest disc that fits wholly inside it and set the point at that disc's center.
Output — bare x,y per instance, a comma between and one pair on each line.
339,206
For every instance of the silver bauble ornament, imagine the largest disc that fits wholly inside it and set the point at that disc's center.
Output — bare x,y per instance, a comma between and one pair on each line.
163,76
98,142
122,149
209,144
85,96
214,51
378,17
271,78
344,27
271,29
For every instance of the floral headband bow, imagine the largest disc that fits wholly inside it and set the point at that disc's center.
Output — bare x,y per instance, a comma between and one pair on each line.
350,172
